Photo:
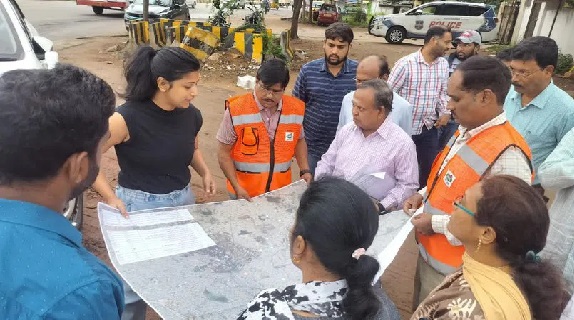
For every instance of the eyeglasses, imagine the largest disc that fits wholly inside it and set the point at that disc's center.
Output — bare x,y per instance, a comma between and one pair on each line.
268,90
523,73
461,207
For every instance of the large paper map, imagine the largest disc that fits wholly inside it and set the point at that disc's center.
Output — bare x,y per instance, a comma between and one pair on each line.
208,261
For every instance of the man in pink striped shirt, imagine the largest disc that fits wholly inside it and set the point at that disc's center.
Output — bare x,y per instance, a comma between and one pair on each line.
373,152
421,78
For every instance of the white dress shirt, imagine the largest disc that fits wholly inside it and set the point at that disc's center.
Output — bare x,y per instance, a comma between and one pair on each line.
402,114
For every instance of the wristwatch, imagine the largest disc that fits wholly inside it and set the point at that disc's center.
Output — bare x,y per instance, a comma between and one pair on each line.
382,209
304,171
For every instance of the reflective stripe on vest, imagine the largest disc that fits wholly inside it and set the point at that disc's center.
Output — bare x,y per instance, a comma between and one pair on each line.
473,160
435,264
445,269
255,118
432,210
246,118
285,119
261,167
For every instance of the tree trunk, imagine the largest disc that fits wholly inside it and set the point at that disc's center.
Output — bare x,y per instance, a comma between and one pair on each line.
295,19
145,12
310,11
560,5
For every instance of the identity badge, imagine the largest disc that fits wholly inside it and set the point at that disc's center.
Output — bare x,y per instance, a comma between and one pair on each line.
449,178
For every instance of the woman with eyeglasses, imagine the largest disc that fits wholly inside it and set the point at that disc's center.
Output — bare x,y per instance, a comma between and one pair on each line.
502,223
335,224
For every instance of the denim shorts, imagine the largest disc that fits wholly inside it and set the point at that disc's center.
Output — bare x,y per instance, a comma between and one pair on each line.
136,200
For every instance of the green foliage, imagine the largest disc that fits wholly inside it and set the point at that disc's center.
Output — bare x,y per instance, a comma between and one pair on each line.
272,47
496,48
221,17
271,43
565,63
355,16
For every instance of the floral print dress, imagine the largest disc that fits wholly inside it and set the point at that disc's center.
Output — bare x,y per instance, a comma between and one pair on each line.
452,300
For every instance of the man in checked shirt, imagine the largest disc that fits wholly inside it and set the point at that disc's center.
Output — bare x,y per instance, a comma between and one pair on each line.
421,78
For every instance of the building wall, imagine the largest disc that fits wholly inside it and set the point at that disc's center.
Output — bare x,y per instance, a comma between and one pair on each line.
562,32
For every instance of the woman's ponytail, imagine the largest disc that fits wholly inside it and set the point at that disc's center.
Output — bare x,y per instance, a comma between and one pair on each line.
519,217
340,221
361,301
147,65
542,286
141,83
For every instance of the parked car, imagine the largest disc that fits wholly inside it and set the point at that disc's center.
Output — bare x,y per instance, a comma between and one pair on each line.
458,16
328,14
21,47
170,9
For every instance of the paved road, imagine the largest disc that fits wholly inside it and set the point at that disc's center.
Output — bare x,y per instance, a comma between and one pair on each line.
64,20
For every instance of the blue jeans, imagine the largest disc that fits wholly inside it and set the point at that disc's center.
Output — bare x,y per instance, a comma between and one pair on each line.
312,161
136,200
445,133
427,150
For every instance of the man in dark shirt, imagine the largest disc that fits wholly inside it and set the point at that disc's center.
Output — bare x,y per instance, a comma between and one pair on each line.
322,84
54,124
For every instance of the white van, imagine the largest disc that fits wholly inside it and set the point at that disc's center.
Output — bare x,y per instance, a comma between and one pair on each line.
459,16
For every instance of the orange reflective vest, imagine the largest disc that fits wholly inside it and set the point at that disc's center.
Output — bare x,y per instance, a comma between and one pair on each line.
262,164
468,166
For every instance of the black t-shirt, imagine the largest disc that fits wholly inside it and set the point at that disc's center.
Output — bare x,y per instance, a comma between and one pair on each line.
157,156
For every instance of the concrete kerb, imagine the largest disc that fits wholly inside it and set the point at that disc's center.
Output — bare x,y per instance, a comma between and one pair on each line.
200,38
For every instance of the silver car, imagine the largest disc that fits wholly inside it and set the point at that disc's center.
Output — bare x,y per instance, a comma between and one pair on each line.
22,48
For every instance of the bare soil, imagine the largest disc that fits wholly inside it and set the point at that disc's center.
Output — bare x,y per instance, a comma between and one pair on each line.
101,56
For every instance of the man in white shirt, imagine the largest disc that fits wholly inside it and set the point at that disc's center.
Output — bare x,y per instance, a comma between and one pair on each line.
377,67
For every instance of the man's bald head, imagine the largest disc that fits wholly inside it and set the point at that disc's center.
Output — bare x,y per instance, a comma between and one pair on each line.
373,67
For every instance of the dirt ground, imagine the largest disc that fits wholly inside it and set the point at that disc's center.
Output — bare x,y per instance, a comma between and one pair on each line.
99,55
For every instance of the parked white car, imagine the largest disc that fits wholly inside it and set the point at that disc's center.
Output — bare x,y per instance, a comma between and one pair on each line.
22,48
20,45
459,16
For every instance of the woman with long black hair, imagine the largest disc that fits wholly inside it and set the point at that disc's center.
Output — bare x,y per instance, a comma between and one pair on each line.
155,134
335,224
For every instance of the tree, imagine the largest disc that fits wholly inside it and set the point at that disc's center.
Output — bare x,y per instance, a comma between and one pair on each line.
297,4
145,13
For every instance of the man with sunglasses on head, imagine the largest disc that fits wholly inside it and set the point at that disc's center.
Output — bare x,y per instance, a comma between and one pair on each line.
260,134
485,145
538,109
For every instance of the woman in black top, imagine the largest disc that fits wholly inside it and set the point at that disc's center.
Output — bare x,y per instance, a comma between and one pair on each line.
155,134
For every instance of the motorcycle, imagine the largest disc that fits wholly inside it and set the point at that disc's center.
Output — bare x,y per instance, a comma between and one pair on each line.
265,6
74,211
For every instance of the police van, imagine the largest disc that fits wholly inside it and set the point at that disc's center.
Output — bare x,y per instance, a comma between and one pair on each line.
459,16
